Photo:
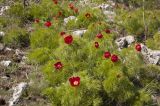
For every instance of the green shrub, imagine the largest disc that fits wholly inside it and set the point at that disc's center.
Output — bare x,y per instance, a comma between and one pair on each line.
39,55
82,21
44,37
133,22
154,43
16,37
102,80
86,94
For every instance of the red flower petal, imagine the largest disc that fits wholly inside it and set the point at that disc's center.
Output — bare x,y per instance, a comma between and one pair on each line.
99,36
58,65
71,6
138,47
55,1
48,24
36,20
76,10
74,81
96,44
88,15
107,54
68,39
114,58
62,33
108,31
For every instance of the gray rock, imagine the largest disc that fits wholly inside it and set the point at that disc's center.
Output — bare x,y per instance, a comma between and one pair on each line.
8,49
78,33
2,34
150,56
5,63
18,91
105,7
3,9
66,20
124,42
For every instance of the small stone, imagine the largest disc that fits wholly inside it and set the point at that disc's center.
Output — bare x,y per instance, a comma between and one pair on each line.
3,9
66,20
5,63
124,42
18,91
79,33
8,49
130,39
2,34
150,56
5,77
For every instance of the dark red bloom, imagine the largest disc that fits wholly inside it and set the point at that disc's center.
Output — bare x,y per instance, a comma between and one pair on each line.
48,24
36,20
76,10
68,39
59,13
71,6
96,44
138,47
99,36
62,33
114,58
108,31
107,54
58,65
88,15
74,81
55,1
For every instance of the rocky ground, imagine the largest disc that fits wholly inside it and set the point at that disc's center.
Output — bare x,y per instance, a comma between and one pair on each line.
15,69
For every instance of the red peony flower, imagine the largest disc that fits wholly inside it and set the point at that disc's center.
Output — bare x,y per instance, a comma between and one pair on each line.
107,54
88,15
96,44
59,13
68,39
55,1
71,6
58,65
48,24
138,47
74,81
76,10
62,33
114,58
108,31
99,36
36,20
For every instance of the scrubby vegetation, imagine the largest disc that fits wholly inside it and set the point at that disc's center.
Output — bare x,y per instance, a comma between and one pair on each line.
89,70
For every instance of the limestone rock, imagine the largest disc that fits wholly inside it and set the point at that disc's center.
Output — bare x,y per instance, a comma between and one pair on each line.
3,9
66,20
2,34
150,56
124,42
18,91
5,63
79,33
